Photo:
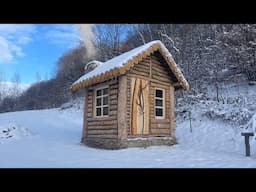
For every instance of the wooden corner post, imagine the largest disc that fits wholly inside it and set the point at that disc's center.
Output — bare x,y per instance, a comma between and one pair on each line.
85,123
121,110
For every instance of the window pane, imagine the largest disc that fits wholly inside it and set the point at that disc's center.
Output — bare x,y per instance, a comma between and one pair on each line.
98,93
159,102
105,91
105,110
159,93
98,111
98,102
105,100
159,112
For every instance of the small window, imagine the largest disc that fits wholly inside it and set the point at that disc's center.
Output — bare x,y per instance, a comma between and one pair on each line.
159,103
101,102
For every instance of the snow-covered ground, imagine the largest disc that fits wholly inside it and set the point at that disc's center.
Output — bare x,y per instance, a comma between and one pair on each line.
51,138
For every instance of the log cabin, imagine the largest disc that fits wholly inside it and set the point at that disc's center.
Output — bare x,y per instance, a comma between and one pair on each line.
129,100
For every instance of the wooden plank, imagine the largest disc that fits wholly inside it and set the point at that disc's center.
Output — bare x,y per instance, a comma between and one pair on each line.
122,126
141,74
113,97
134,107
150,68
101,119
109,83
128,104
89,115
85,122
160,131
161,78
160,121
113,113
160,83
145,91
113,92
160,73
160,125
102,132
159,65
171,112
91,136
113,102
142,66
163,71
113,107
114,86
102,123
89,110
105,127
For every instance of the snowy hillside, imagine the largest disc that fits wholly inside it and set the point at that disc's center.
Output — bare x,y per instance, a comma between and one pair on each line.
51,138
7,88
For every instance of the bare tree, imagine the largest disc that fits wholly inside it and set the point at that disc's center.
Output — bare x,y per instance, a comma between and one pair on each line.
109,39
38,77
138,30
16,84
2,85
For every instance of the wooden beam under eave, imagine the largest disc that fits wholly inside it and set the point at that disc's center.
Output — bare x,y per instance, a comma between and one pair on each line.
115,72
98,78
176,84
122,70
83,83
107,74
155,47
72,89
139,58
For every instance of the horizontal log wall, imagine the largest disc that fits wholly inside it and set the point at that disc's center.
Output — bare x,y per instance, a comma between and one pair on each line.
160,66
157,72
103,127
160,70
160,126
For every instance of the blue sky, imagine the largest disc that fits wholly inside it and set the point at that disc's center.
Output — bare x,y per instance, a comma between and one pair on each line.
34,48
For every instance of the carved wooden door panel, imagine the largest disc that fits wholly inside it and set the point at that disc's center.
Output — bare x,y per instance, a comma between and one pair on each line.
140,106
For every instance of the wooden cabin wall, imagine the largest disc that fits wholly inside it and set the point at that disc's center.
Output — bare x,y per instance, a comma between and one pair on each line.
102,127
156,71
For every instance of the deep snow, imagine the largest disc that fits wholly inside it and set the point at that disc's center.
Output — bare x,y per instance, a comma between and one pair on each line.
51,138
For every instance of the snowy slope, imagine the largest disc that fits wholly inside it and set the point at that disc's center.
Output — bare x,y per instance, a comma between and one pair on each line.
51,138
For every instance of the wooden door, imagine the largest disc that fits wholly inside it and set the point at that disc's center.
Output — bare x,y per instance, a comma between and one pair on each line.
140,106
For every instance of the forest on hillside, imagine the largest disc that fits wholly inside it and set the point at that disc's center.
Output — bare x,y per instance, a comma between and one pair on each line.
206,54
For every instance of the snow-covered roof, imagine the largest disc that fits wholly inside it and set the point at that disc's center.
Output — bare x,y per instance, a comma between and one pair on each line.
122,63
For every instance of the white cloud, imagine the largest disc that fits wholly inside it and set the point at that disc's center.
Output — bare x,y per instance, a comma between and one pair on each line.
12,38
62,34
24,40
5,52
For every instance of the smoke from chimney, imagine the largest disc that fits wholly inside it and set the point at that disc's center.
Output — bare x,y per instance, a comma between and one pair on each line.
87,37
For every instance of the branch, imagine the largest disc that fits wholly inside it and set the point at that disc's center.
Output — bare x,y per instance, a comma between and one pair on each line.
170,39
140,34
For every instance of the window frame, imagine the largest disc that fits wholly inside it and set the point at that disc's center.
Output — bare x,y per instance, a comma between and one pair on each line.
159,107
101,106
